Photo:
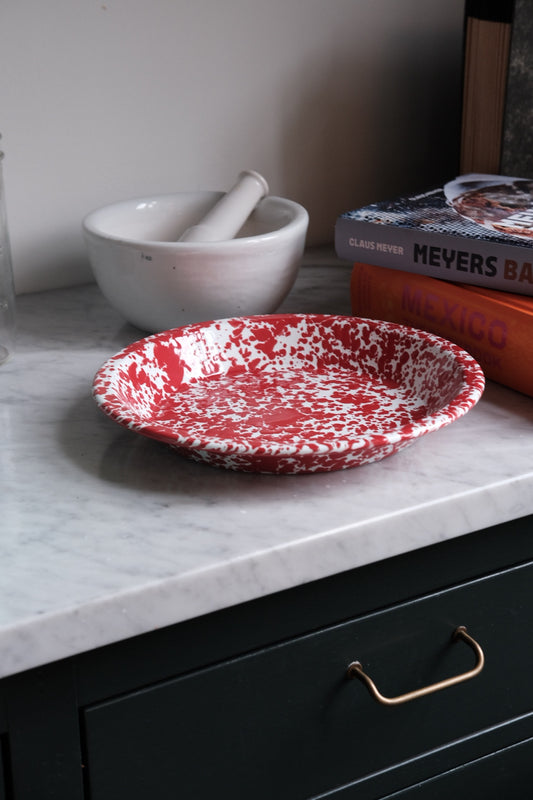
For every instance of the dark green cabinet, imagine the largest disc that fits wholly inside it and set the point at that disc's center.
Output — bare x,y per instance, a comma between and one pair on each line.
286,722
255,701
3,795
505,774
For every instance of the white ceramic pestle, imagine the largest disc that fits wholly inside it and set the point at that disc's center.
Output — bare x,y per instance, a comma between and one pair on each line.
227,216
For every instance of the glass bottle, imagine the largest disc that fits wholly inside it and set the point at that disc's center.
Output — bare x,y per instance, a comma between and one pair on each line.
7,290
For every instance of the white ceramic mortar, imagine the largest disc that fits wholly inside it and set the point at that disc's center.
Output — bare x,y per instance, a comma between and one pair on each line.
158,283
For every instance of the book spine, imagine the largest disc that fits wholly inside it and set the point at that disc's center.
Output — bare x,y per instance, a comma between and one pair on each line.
493,265
499,337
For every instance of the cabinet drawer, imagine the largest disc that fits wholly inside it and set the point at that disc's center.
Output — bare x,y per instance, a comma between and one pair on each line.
505,774
286,722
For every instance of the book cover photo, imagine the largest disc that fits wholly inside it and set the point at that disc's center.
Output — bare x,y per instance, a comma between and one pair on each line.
476,229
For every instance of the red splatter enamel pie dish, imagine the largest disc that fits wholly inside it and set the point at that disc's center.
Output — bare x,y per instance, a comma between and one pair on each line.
288,393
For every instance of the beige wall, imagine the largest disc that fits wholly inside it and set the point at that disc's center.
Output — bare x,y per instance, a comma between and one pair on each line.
336,102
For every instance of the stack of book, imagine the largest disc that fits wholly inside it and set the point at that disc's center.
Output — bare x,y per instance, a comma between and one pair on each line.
456,261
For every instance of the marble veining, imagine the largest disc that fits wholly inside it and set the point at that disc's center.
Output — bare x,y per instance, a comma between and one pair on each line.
106,534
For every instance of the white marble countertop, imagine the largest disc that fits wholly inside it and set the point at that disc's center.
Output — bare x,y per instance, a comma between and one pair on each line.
105,534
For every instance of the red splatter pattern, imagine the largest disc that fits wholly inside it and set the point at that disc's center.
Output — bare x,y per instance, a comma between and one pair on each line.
288,393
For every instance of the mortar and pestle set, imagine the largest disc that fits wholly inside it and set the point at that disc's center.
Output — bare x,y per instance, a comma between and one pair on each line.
174,259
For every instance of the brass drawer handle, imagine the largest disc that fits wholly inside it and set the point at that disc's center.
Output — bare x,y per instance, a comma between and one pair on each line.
355,670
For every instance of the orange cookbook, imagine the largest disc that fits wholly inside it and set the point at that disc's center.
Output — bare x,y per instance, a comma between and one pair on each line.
495,327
